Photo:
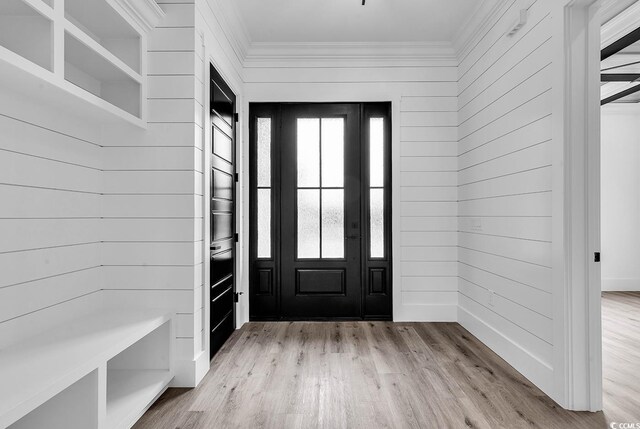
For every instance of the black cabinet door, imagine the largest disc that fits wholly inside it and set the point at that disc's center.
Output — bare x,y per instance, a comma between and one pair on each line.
222,211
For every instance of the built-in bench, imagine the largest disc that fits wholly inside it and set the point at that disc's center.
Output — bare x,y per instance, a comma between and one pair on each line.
99,371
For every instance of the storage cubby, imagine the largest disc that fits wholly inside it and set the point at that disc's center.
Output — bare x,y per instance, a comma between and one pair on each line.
103,24
90,71
76,407
26,32
137,375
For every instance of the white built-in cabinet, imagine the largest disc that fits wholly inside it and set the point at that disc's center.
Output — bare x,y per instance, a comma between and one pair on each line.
88,56
100,371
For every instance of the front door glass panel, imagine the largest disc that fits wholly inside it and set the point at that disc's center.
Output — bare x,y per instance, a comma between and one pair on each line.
320,188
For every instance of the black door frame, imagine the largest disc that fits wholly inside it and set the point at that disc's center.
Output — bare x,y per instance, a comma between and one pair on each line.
265,273
221,294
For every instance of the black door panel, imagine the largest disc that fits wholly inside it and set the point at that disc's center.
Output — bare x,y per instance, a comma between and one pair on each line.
222,206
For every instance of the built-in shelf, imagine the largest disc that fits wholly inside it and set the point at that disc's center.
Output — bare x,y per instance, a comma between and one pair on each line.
81,397
26,32
109,29
130,392
96,371
87,56
88,69
136,376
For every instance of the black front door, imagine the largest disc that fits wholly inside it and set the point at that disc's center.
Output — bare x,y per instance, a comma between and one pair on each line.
320,246
222,211
320,211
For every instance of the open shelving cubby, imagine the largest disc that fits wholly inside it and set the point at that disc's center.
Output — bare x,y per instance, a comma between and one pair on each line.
98,20
76,407
87,68
137,376
26,32
85,56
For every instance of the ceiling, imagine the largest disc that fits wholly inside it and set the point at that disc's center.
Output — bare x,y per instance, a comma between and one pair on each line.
347,21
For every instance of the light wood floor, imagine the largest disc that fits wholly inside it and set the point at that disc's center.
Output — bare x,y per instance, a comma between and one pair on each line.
390,375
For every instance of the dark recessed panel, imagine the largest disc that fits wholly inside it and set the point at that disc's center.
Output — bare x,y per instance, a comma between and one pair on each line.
221,103
377,281
265,281
221,266
221,306
222,185
222,145
222,226
320,282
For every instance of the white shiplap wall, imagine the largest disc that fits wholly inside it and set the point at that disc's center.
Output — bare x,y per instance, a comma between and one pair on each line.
504,190
152,191
50,184
424,99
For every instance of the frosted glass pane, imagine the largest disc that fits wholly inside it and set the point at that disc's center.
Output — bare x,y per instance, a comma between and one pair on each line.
264,223
333,223
264,152
376,152
376,216
308,152
308,223
333,152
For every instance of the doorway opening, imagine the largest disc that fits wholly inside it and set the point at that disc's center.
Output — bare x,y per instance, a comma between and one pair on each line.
619,212
320,227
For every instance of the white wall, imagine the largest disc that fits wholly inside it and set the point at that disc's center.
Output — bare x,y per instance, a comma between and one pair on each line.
50,184
424,161
505,163
620,201
152,192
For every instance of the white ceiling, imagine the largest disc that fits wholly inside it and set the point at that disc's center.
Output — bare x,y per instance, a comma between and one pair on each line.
347,21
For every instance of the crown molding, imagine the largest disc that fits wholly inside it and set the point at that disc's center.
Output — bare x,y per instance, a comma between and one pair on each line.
351,50
146,13
476,25
621,25
233,26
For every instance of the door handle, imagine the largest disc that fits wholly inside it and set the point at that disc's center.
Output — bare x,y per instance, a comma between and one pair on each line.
353,237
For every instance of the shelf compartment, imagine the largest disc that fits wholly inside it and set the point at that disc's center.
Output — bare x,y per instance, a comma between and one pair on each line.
102,23
76,407
87,69
137,376
26,32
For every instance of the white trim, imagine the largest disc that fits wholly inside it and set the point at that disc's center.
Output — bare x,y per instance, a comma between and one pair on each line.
620,25
576,281
476,25
524,362
361,50
146,13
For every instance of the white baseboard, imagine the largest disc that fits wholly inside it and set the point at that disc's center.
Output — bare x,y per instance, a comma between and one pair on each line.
189,373
620,285
524,362
426,313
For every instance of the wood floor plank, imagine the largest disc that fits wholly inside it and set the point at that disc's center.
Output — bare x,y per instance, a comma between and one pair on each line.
370,375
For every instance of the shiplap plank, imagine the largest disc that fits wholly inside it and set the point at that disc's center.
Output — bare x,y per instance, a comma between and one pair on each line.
150,230
24,234
156,277
429,104
29,265
534,299
16,301
430,284
153,253
532,228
